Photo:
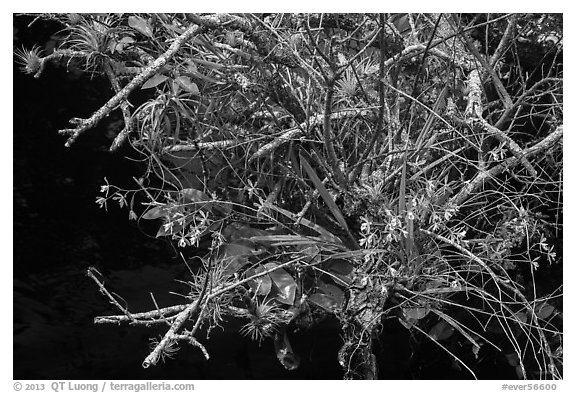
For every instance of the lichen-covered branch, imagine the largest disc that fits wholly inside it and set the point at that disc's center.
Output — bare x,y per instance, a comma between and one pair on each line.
474,185
297,132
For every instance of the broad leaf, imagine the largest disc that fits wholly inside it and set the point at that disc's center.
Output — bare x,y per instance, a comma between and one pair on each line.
544,310
441,331
189,195
512,358
237,249
237,231
415,313
141,25
284,352
260,285
342,269
191,66
332,290
324,301
329,297
406,323
234,256
155,212
313,253
456,326
185,83
522,316
125,41
284,283
154,81
175,228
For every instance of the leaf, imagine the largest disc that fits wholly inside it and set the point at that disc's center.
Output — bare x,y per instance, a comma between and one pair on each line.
125,41
239,249
286,240
544,310
342,269
522,316
284,283
433,284
284,352
175,228
141,25
325,194
260,285
156,212
324,234
185,83
494,325
208,64
112,46
456,326
199,200
154,81
234,256
512,359
332,290
325,301
441,331
415,313
409,237
329,297
191,66
476,351
189,195
205,78
313,253
402,23
237,231
407,324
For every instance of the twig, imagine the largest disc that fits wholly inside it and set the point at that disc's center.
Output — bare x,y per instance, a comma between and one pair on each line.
205,145
505,41
495,79
507,164
329,140
474,113
512,145
380,122
184,313
170,336
504,283
90,273
187,336
124,106
520,100
311,122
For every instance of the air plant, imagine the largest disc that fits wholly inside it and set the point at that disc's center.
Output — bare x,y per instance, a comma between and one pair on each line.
30,60
92,35
264,320
348,85
168,351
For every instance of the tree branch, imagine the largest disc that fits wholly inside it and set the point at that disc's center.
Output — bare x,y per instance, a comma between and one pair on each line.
473,186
